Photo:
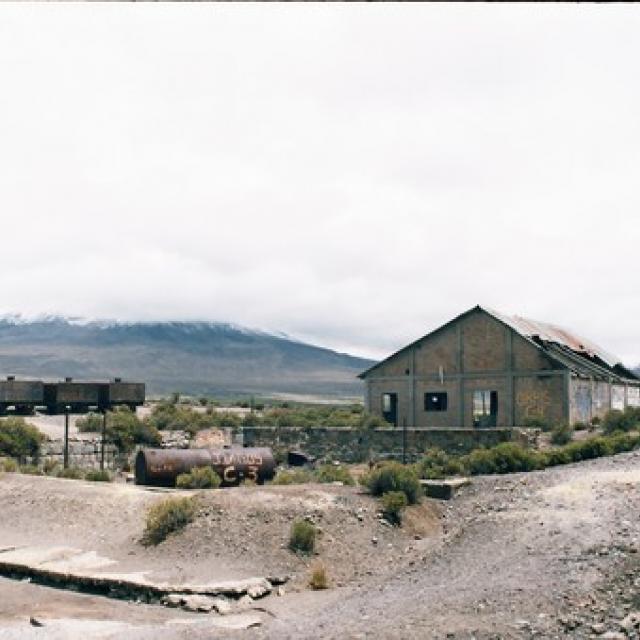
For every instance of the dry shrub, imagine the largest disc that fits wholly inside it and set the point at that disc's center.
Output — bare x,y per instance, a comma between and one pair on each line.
9,465
393,502
293,476
561,434
334,473
30,470
394,476
167,517
71,473
303,537
50,467
199,478
97,475
318,579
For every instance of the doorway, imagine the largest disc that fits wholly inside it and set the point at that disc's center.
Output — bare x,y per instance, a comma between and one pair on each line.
390,408
485,409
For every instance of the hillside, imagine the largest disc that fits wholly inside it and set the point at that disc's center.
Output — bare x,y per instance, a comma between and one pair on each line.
189,357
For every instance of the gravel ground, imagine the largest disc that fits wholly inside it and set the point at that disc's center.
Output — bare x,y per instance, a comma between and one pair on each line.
540,555
546,554
238,532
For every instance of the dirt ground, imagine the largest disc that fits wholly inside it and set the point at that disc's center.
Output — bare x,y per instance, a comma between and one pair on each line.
540,555
53,426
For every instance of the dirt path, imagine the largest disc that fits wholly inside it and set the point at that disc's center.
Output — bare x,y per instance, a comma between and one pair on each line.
539,555
523,557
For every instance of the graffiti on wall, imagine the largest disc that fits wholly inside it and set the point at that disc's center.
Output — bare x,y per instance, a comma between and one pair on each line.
533,403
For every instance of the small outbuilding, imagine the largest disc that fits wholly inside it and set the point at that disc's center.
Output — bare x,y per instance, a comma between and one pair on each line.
485,369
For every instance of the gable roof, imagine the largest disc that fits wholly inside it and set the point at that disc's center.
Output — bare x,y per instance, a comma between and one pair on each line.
568,349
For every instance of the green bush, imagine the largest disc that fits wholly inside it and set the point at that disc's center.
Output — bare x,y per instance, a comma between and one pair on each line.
624,441
393,502
555,457
19,439
561,434
394,476
251,420
580,426
173,417
293,476
71,473
537,422
507,457
126,430
9,465
437,464
167,517
616,420
30,470
480,461
227,419
303,537
281,414
334,473
199,478
589,449
97,475
284,415
92,422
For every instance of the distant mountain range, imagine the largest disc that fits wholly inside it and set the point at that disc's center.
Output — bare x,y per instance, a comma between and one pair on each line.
188,357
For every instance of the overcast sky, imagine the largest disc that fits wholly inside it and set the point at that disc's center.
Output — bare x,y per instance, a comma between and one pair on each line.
352,175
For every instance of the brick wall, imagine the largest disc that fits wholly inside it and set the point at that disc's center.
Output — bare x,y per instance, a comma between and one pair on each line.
82,453
354,445
477,353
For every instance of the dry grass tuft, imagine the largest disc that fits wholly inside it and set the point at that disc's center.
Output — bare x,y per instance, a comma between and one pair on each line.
318,579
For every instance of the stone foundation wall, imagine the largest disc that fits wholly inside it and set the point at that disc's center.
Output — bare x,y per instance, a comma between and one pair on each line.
82,453
353,445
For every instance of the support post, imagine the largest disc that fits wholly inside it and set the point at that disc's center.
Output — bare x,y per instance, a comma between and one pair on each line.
66,438
404,441
104,438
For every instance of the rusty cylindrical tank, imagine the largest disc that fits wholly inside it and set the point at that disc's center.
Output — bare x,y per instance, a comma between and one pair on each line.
161,467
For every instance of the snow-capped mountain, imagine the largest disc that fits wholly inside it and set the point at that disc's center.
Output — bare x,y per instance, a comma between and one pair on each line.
190,357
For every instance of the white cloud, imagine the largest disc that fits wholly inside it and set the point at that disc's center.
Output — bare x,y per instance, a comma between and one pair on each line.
352,175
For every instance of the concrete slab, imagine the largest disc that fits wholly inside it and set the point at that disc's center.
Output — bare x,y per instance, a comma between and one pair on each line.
68,567
443,489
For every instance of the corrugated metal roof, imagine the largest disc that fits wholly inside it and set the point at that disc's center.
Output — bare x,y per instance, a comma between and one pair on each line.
553,333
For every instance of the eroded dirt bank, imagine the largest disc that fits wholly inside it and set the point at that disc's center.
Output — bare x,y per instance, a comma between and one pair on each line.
546,554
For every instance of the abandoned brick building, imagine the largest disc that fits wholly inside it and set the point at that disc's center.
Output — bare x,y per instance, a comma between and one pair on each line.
485,369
